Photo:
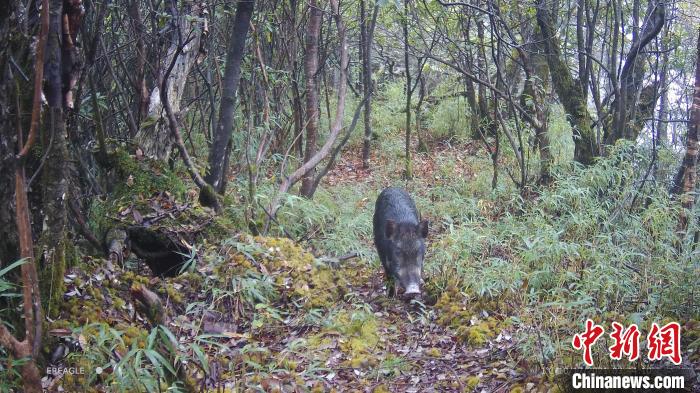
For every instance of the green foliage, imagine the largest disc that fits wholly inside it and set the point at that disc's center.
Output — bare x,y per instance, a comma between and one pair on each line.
8,288
450,116
389,110
561,144
9,367
150,364
318,220
581,248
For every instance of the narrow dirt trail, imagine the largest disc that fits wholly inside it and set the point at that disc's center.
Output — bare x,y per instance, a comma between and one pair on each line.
413,352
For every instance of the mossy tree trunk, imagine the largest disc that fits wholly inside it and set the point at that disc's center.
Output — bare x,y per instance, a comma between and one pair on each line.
53,241
570,92
686,179
534,99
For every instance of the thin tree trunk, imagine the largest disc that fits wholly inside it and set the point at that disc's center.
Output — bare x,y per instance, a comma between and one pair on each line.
313,31
626,123
336,126
207,195
408,169
686,179
367,37
54,240
232,74
662,124
140,89
28,348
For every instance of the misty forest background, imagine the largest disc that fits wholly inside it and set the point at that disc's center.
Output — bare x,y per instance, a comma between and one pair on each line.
187,190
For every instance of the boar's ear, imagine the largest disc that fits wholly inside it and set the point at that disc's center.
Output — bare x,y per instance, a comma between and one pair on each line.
390,228
423,228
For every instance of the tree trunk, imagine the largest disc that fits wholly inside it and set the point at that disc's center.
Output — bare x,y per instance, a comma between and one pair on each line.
232,74
153,135
627,118
686,180
408,170
569,91
28,348
662,124
367,33
365,81
54,241
313,31
336,126
140,89
534,100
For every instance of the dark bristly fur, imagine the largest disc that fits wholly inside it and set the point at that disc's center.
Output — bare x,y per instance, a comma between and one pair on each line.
400,239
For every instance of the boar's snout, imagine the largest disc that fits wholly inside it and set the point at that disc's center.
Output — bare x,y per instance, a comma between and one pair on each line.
412,289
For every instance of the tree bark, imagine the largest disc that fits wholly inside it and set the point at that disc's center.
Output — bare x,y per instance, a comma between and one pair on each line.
408,169
28,347
336,126
626,116
154,135
140,89
206,192
534,100
313,31
662,124
569,91
54,238
686,180
232,76
367,34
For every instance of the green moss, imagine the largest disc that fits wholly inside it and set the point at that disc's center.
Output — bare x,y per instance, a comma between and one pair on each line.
476,335
457,312
380,389
51,284
135,181
172,293
472,382
434,352
296,272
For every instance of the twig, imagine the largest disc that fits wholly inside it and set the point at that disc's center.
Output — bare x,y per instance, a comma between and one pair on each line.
83,227
335,261
273,219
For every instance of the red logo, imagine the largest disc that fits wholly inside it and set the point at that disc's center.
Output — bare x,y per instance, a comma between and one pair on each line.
665,342
662,342
625,344
587,339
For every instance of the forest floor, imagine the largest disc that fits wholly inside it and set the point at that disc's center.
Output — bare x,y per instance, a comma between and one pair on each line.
412,351
265,314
